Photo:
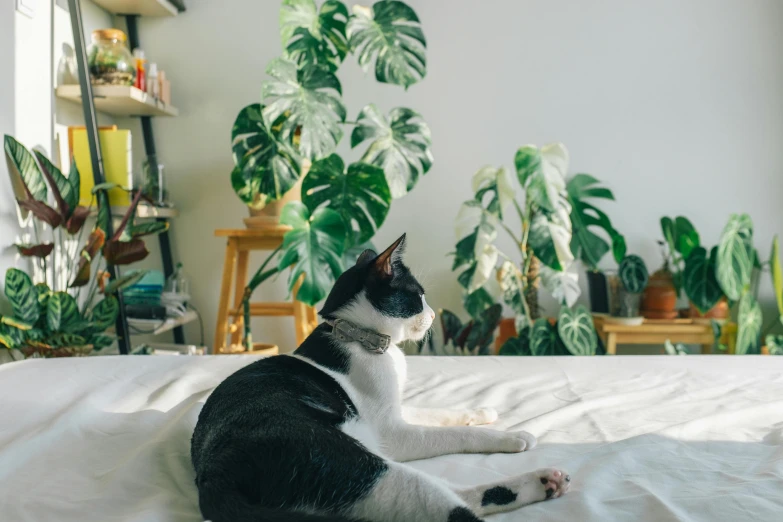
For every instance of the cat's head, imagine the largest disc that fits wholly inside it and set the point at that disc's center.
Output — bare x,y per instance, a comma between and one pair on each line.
379,293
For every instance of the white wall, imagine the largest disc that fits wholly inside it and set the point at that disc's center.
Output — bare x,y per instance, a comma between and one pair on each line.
676,104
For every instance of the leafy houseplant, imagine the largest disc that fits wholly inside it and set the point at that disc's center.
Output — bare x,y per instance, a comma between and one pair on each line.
473,338
47,320
633,278
543,244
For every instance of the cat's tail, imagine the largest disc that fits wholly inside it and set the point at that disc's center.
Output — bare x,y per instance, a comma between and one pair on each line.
230,506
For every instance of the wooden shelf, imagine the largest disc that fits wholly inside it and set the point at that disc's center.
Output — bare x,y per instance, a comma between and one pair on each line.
119,100
157,327
138,7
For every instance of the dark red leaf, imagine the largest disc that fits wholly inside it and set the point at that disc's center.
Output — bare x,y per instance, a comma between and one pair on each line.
42,211
128,215
77,219
124,252
41,250
83,271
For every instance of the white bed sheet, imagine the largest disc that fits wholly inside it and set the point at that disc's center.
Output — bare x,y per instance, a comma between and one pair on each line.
645,438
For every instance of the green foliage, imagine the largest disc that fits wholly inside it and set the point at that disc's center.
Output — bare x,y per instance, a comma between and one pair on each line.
313,38
104,314
700,283
633,274
265,168
24,170
389,33
735,256
22,295
359,194
308,99
586,244
748,325
400,145
62,312
313,248
476,336
774,344
543,338
577,331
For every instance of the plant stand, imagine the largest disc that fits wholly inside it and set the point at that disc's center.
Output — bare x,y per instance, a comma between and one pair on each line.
654,331
239,244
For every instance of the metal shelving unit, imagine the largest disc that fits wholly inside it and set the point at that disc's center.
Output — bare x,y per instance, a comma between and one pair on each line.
129,103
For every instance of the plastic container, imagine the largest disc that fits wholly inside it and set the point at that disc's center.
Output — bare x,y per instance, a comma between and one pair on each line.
109,59
154,181
141,74
153,87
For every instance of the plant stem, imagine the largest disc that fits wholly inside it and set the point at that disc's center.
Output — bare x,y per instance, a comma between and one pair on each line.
55,234
93,288
258,278
348,122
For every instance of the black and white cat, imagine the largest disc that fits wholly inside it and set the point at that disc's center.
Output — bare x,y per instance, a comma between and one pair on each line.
319,435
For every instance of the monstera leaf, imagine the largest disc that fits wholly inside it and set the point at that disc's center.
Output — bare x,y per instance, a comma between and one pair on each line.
510,281
542,173
577,331
265,169
26,177
22,295
496,182
777,274
104,314
476,249
701,285
735,256
633,274
310,37
586,244
359,194
564,286
400,145
62,312
476,302
748,324
306,99
550,240
389,33
314,247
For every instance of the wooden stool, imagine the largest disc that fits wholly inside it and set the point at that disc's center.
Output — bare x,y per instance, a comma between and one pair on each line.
654,331
239,244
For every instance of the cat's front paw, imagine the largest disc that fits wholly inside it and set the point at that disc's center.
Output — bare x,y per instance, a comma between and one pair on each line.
516,441
481,416
554,482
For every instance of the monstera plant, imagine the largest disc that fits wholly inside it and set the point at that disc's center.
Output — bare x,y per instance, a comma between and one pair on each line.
543,237
291,137
47,319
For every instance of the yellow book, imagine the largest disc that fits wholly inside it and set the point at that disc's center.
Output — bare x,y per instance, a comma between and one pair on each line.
116,148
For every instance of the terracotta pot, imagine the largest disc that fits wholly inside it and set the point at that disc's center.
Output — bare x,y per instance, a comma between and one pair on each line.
659,300
764,350
719,312
506,331
268,215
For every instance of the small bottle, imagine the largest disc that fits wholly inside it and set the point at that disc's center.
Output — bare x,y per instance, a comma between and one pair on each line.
177,282
141,77
153,87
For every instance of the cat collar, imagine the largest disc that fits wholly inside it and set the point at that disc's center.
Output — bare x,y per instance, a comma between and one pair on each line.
370,341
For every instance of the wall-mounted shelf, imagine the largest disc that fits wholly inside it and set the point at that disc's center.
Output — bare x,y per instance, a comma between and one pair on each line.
138,7
119,100
155,327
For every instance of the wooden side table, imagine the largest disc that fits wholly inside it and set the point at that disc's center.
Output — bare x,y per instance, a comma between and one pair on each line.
657,332
239,244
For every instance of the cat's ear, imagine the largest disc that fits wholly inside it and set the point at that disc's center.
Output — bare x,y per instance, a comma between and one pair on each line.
384,263
366,256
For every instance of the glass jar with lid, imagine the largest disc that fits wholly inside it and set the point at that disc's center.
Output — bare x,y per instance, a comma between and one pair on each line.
109,59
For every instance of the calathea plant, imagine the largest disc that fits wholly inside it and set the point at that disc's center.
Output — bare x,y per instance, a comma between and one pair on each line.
292,137
47,317
633,278
543,240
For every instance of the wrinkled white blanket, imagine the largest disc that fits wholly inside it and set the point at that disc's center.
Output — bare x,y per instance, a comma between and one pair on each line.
645,438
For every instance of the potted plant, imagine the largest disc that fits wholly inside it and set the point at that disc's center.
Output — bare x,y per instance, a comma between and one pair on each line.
659,300
572,334
51,317
587,245
290,139
633,280
541,216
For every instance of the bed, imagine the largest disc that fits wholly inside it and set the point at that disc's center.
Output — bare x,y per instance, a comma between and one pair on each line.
696,438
